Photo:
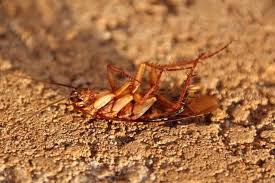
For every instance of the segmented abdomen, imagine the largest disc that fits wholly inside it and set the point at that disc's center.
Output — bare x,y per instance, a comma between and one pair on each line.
125,107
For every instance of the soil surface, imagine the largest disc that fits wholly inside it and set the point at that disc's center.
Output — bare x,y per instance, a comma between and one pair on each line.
72,41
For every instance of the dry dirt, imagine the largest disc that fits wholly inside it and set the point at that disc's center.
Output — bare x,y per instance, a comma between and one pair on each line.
72,41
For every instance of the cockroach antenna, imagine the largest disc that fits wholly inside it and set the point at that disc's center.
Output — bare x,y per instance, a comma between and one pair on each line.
31,115
49,82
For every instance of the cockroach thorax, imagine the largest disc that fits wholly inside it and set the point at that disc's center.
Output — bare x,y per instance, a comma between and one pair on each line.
82,96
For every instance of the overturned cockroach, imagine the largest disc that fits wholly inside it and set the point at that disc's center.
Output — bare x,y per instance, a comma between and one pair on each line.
128,103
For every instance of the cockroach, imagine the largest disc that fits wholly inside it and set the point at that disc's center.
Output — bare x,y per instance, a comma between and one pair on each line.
128,103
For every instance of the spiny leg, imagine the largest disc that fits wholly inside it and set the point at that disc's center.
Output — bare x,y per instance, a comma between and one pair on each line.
122,93
147,100
182,65
138,77
144,103
154,81
187,83
202,56
154,87
166,101
135,81
110,70
155,78
190,75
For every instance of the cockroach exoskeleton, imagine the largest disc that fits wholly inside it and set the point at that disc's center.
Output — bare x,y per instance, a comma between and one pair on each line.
129,103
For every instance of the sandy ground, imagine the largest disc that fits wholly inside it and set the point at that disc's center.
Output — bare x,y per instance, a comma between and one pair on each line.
72,41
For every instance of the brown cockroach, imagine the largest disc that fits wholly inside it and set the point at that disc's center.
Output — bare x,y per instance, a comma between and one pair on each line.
127,103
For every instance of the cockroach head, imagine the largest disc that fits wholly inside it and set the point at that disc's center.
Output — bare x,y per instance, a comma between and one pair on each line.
82,96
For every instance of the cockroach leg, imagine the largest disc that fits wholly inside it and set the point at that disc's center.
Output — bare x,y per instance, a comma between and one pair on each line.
175,67
110,70
155,78
123,89
178,104
138,77
154,88
190,75
155,81
181,63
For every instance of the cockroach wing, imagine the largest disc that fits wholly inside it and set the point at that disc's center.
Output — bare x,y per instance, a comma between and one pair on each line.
203,104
